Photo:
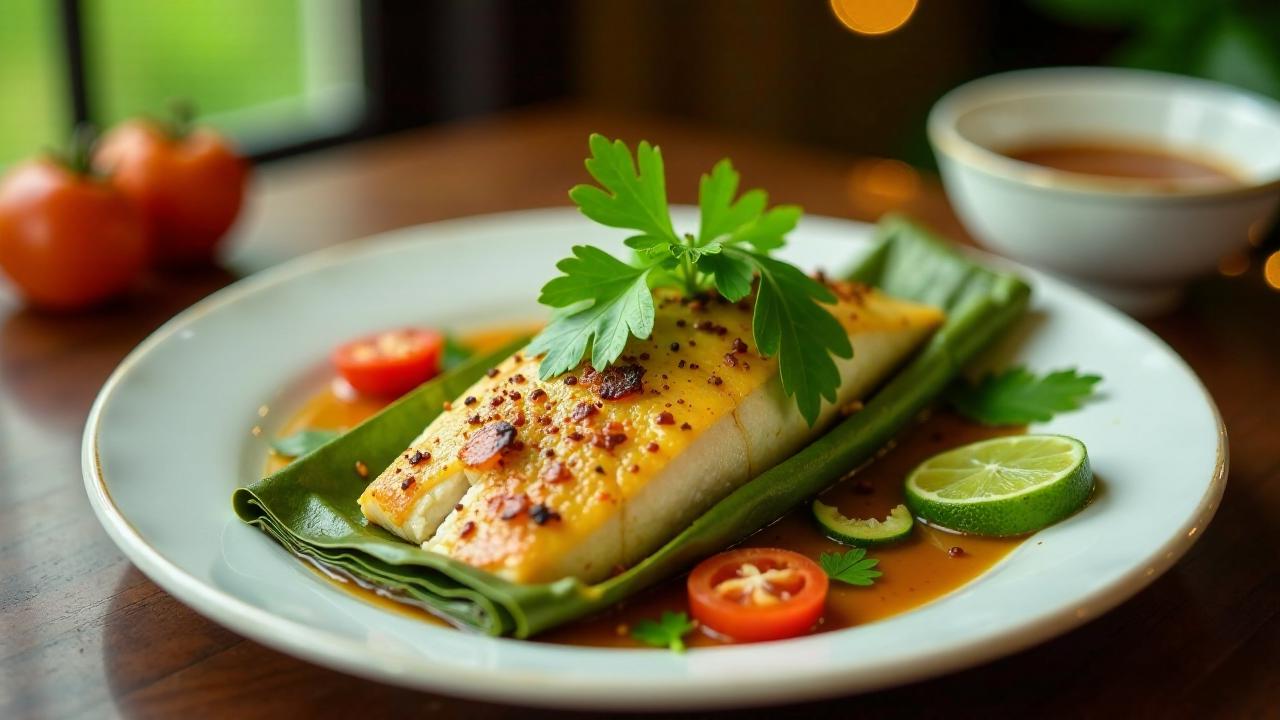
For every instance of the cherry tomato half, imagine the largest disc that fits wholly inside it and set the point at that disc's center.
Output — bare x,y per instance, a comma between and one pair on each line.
754,594
390,363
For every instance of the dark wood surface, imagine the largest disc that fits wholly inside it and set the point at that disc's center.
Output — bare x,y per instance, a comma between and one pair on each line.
84,634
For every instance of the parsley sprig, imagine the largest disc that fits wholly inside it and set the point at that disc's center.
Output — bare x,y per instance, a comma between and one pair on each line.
1017,396
667,631
853,567
601,301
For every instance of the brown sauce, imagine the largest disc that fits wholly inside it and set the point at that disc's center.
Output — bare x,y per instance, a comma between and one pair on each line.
1127,161
916,572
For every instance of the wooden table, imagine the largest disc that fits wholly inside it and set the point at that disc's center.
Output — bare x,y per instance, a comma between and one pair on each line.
83,633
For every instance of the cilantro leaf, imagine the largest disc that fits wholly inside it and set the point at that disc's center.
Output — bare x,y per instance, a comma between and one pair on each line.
629,199
668,631
853,567
301,442
1017,396
790,323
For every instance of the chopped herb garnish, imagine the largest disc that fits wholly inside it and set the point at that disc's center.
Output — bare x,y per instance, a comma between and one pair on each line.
853,567
601,301
668,631
301,442
1017,396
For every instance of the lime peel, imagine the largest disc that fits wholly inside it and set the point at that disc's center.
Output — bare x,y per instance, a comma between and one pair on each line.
1004,486
894,528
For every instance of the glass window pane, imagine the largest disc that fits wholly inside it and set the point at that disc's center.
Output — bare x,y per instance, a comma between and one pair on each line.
33,113
267,71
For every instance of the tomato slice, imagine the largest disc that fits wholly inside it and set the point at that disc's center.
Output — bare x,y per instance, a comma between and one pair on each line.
390,363
754,594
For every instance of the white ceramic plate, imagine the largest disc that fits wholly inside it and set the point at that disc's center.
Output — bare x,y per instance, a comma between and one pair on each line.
169,439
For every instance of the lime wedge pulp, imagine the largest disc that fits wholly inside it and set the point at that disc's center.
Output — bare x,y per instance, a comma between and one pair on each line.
1004,486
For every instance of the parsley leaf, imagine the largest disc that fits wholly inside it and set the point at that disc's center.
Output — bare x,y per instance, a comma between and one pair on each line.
721,214
733,275
634,200
766,232
301,442
1017,396
602,301
853,567
668,631
791,324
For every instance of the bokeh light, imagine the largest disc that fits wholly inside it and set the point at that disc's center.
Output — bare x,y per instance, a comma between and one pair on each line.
1234,264
878,185
873,17
1271,270
1257,233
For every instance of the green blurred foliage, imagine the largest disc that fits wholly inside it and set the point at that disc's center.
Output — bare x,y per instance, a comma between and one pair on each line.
32,115
140,55
220,54
1232,41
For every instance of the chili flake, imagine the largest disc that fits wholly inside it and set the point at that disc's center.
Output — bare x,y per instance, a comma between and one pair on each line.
542,514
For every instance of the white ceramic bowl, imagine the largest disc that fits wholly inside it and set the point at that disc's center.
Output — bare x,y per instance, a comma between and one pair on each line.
1131,243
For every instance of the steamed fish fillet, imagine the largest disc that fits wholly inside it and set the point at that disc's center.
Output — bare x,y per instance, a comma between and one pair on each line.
588,473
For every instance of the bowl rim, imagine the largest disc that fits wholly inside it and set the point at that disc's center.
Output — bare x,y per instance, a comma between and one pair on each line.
948,141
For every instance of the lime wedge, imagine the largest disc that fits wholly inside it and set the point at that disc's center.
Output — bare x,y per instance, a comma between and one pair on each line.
1006,486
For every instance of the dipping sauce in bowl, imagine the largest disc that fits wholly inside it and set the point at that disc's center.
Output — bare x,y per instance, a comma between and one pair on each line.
1129,161
1128,183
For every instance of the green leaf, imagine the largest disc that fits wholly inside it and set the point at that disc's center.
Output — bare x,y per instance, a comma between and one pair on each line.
852,567
733,275
590,275
668,631
454,354
629,199
301,442
603,301
1241,53
767,232
789,322
603,325
721,215
1018,397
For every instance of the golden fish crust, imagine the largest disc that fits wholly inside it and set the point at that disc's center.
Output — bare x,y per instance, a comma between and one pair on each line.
552,503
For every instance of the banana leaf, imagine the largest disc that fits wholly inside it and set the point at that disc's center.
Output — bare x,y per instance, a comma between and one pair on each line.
310,505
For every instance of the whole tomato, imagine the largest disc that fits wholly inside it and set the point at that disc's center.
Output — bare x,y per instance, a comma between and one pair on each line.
189,183
68,239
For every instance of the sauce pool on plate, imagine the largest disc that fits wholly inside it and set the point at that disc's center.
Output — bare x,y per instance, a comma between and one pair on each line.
930,564
1126,161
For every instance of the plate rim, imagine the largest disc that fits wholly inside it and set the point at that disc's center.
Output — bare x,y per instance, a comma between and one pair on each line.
337,652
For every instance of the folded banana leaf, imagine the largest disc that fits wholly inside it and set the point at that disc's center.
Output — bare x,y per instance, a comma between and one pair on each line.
310,505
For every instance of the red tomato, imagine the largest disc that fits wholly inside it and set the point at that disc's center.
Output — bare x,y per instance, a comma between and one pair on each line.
189,185
390,363
754,594
68,240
